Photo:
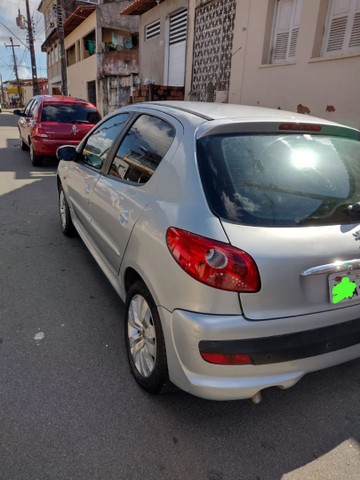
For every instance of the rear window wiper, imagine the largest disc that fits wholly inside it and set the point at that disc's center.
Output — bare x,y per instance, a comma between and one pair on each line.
79,121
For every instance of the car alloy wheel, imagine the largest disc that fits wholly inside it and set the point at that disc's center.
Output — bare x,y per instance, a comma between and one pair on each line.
145,341
35,159
23,145
66,224
142,336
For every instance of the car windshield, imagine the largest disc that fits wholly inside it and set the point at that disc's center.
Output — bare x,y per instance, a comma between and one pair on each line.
69,114
281,180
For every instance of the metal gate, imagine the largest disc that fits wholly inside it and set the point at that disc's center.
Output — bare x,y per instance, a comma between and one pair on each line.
177,48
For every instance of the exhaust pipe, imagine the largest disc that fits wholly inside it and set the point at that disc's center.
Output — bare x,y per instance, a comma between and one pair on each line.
256,399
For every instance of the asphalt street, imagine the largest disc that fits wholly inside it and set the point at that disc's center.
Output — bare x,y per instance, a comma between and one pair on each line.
69,408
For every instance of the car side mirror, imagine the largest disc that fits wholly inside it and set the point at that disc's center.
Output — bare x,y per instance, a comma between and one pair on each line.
18,112
67,153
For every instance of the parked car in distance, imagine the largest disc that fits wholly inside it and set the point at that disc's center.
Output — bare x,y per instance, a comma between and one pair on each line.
231,234
49,121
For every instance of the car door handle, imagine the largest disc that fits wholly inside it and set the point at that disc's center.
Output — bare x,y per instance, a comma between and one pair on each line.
124,216
334,267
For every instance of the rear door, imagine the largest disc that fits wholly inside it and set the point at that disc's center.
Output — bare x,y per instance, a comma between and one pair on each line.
120,196
292,201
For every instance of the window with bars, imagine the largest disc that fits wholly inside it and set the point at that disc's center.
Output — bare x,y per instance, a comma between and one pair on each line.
342,31
152,30
285,30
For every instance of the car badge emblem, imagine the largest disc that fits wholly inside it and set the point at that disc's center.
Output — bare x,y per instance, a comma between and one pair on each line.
74,129
357,235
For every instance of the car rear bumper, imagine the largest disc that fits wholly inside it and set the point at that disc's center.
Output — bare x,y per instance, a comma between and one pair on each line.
281,357
47,147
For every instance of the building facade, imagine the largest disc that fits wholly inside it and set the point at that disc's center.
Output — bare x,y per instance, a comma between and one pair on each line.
100,49
14,95
307,60
295,55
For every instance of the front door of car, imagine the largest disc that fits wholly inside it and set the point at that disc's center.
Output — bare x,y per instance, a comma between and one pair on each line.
83,175
26,120
81,179
120,196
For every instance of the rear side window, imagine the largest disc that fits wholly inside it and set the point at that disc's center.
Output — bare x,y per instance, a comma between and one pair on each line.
281,180
142,149
29,107
69,114
101,140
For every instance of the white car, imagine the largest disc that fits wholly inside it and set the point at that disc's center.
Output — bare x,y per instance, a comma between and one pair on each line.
232,235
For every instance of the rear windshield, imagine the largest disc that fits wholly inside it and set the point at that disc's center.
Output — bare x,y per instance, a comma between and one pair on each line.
281,180
69,114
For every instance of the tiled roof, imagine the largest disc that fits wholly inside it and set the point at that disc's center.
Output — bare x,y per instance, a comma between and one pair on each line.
138,7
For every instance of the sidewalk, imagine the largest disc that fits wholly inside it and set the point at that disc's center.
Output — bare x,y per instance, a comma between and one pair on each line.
343,462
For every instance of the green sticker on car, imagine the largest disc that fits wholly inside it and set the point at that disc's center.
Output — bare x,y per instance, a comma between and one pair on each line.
344,290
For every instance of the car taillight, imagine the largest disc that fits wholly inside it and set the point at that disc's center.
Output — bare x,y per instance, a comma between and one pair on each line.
214,263
39,131
227,359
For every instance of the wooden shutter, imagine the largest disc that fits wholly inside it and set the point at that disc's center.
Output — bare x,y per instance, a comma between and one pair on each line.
286,30
355,32
343,27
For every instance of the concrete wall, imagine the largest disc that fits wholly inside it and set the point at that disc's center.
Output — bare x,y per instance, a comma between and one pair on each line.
152,52
318,83
108,15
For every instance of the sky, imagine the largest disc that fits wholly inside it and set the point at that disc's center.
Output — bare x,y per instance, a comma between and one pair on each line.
8,28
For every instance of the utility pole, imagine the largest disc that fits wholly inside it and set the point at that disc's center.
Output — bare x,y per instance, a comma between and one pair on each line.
36,89
2,91
27,24
60,26
15,67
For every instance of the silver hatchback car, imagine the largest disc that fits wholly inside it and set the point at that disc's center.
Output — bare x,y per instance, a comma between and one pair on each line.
232,235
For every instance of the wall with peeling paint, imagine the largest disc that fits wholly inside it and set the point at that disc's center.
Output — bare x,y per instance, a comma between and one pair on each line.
118,65
122,63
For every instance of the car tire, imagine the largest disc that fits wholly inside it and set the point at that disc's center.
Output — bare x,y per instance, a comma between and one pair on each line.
144,339
66,224
23,145
36,161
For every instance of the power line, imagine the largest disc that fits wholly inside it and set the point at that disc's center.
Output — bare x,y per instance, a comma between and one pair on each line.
13,34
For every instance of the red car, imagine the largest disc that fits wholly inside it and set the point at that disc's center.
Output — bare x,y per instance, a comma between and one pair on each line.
50,121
